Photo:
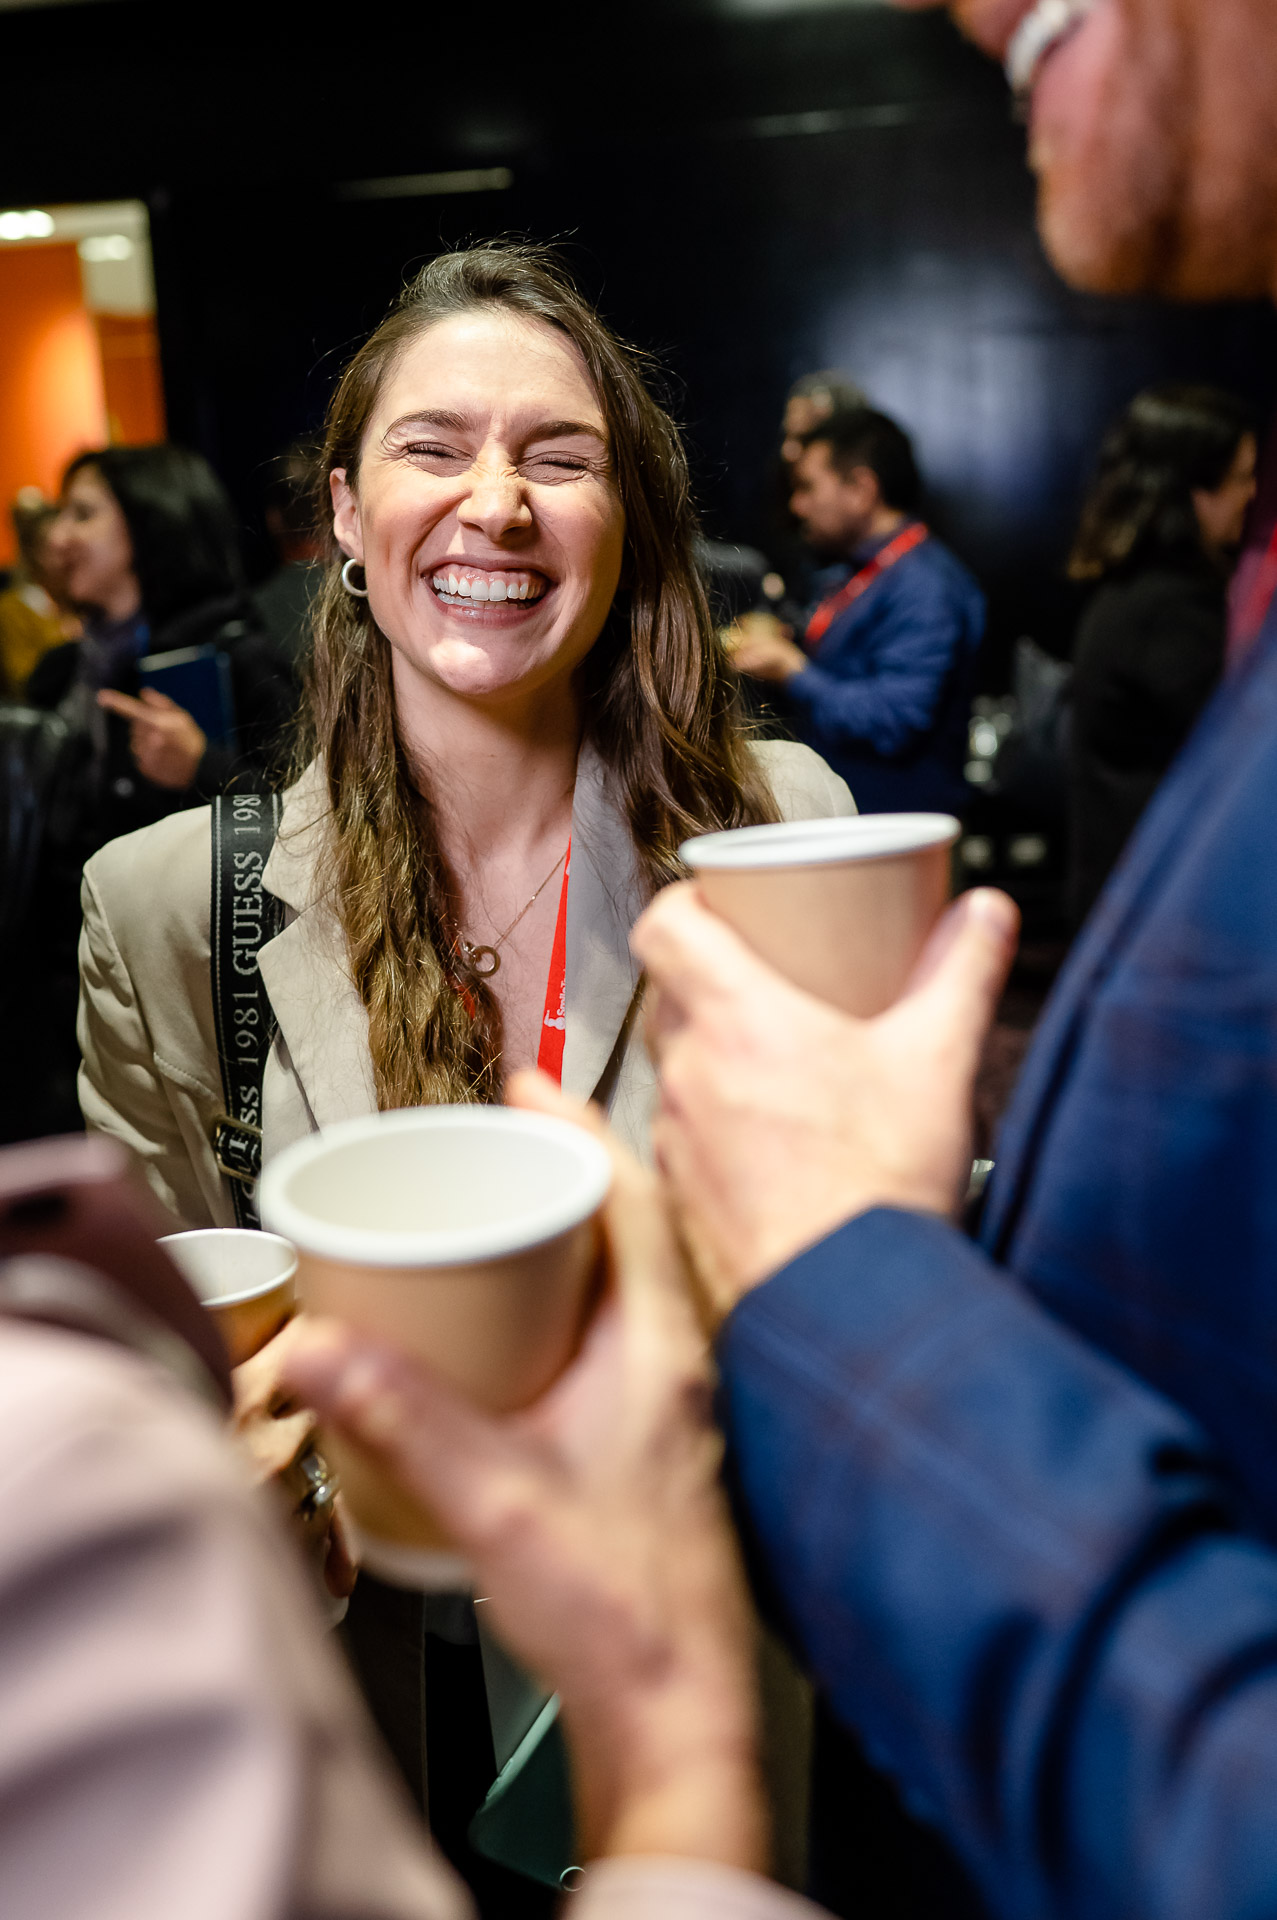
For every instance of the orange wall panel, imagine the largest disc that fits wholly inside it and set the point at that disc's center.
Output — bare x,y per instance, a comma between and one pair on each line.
52,395
131,373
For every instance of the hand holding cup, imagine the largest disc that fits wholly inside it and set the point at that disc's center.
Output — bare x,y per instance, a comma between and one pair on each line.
782,1116
596,1527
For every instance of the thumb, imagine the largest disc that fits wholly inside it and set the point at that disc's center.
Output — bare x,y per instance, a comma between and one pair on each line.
161,703
963,968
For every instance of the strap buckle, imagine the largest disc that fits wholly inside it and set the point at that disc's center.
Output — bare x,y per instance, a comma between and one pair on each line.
237,1148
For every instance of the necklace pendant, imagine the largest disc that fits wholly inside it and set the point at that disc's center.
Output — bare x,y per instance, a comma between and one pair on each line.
485,961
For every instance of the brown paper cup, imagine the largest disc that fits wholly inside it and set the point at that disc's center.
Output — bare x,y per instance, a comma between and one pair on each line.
244,1279
465,1236
840,907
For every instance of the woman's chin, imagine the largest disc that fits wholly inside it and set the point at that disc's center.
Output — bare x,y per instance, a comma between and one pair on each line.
472,670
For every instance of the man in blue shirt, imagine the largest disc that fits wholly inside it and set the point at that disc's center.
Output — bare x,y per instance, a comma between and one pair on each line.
882,684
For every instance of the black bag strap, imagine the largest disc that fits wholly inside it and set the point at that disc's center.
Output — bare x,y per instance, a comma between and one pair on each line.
243,918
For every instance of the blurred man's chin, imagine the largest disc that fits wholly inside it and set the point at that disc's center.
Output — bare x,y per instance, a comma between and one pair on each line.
1166,255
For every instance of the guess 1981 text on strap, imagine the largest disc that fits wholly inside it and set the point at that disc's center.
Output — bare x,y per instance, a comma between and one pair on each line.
244,916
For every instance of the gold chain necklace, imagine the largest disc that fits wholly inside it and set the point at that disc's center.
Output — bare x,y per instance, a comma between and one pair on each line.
485,961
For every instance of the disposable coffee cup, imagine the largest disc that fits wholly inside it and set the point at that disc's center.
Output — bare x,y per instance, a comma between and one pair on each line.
841,907
244,1279
467,1237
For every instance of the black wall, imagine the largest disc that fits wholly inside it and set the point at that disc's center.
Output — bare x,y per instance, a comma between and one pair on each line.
751,195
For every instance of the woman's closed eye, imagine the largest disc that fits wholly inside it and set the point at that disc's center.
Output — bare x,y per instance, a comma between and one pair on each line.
557,466
548,467
436,451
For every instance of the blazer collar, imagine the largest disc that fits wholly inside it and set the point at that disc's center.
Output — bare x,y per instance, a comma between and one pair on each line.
605,898
325,1024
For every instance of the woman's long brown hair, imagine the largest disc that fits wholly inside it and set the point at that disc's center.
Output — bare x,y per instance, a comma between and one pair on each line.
658,698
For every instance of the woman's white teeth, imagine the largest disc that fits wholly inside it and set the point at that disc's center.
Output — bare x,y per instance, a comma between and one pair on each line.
486,586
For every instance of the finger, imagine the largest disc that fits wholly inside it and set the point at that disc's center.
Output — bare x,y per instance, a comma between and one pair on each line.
536,1092
662,1019
122,703
964,965
160,702
445,1451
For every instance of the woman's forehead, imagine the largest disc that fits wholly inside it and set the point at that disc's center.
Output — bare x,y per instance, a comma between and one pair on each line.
490,362
87,481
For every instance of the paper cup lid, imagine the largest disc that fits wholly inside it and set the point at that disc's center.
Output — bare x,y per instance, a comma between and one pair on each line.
808,843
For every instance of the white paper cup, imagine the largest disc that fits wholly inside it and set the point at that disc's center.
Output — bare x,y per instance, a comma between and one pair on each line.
840,907
245,1279
466,1236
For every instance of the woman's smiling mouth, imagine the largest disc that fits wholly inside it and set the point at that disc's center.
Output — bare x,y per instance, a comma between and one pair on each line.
467,588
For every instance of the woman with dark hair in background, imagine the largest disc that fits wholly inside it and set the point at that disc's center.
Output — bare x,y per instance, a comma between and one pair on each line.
145,546
1158,537
147,543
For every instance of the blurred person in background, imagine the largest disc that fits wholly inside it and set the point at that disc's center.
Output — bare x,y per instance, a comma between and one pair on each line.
284,600
1158,539
801,578
34,612
147,544
881,686
809,403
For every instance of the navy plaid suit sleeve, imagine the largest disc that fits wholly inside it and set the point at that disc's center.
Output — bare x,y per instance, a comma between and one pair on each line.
1017,1575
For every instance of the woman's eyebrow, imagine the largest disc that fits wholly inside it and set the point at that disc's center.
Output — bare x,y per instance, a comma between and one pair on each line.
563,430
439,417
446,421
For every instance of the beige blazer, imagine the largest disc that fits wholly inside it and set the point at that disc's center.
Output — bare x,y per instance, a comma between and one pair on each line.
150,1074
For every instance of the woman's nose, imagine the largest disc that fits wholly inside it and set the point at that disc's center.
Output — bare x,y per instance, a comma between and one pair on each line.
497,501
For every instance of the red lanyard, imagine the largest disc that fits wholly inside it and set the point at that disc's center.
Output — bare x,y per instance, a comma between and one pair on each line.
828,610
554,1015
554,1019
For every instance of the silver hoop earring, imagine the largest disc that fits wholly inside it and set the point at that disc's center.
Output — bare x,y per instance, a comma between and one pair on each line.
358,593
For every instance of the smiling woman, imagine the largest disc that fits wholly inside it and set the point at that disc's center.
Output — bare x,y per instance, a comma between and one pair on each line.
518,709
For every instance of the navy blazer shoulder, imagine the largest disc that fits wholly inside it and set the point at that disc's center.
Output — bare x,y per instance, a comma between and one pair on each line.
1136,1186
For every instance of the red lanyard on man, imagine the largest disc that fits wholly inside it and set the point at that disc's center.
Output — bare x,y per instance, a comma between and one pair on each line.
828,611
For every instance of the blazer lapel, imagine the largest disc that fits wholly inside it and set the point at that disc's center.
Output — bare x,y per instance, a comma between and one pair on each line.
325,1024
1129,895
322,1019
605,898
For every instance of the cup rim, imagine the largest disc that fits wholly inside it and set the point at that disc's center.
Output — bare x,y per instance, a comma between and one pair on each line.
249,1293
440,1247
846,840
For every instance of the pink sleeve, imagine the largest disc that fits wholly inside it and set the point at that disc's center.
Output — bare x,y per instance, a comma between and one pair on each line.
177,1737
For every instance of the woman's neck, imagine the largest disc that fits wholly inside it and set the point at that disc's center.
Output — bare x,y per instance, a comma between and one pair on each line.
499,777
